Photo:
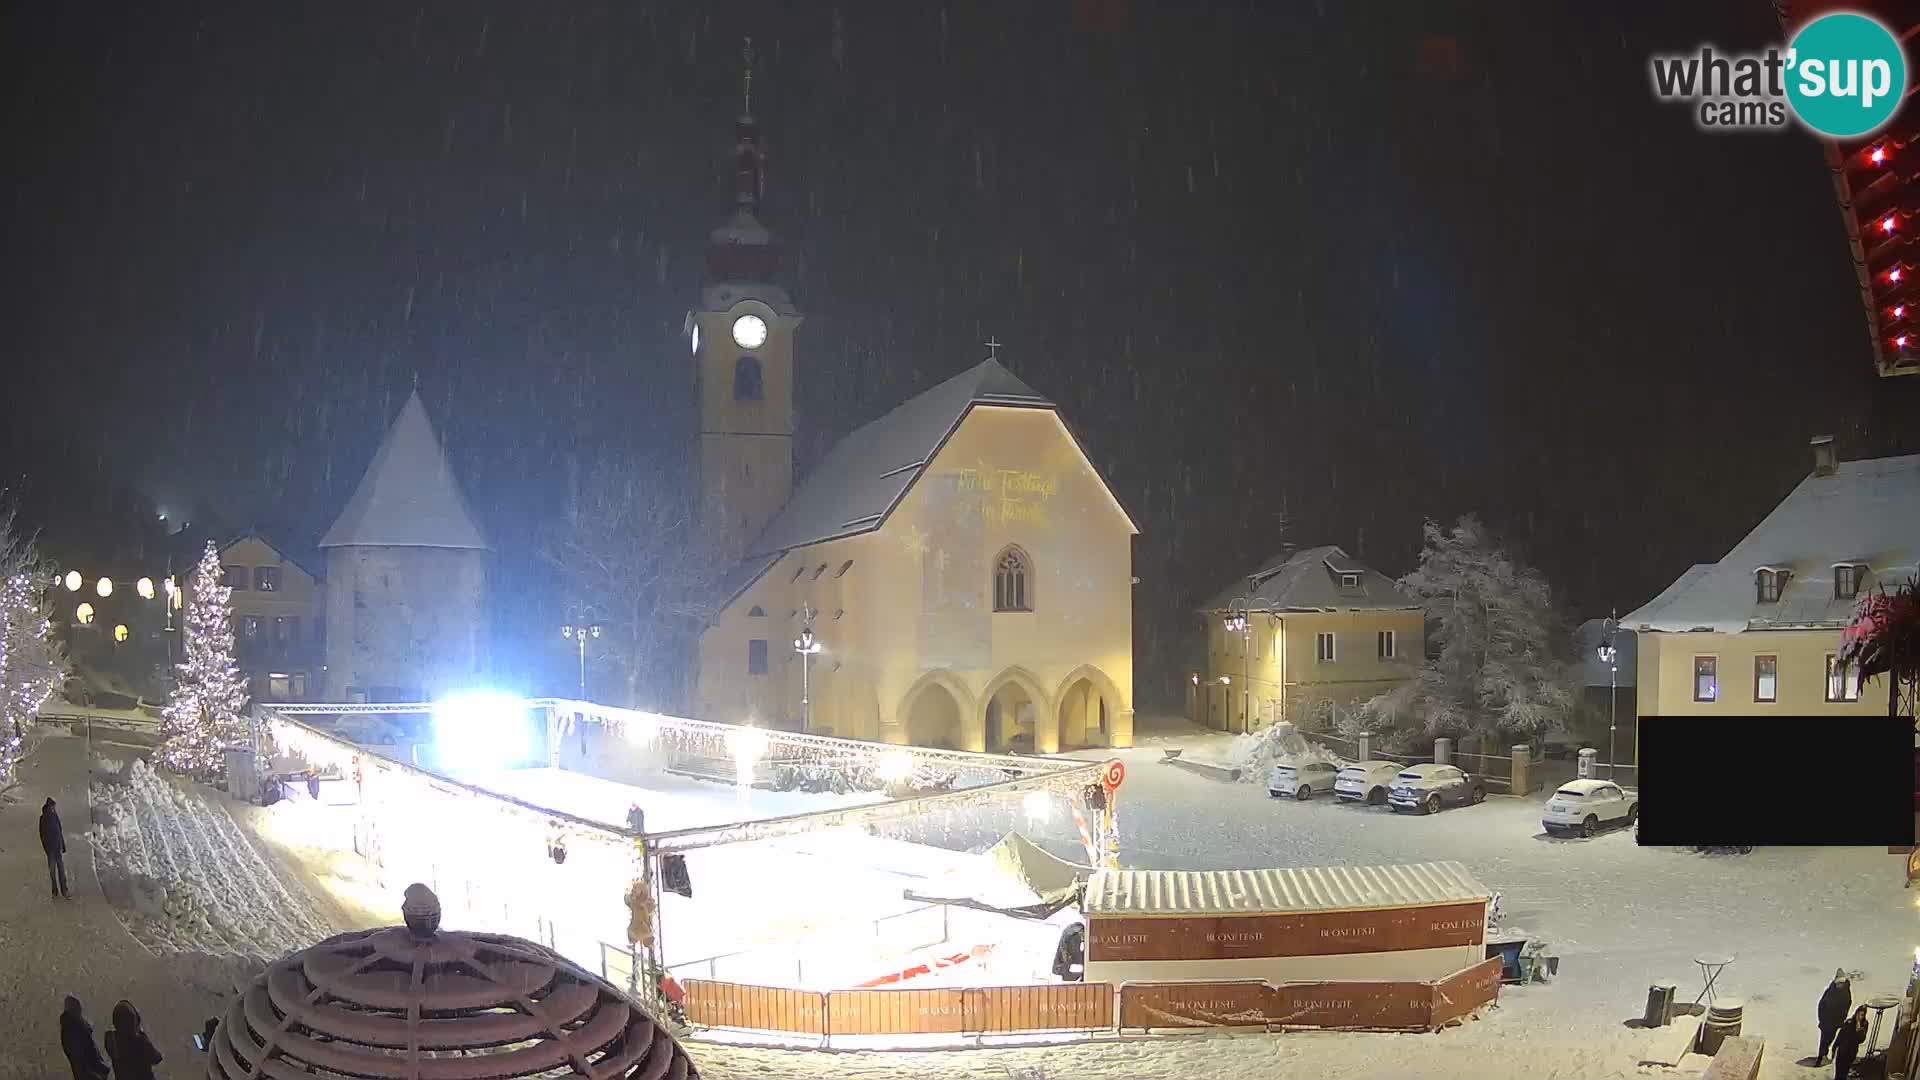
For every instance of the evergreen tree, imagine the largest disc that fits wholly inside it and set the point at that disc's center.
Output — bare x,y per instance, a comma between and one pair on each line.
206,712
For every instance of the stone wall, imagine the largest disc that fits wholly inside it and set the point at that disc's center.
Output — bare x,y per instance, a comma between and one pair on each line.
409,619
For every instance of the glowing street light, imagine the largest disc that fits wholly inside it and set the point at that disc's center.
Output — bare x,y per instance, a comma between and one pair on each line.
807,648
84,614
104,587
579,635
144,587
747,744
894,767
1038,806
120,632
73,581
1610,656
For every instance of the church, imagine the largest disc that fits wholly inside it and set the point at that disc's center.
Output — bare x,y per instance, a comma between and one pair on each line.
952,574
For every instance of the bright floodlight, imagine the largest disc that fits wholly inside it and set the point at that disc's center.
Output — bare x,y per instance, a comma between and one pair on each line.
894,766
73,581
144,587
746,744
641,729
84,614
481,730
104,588
1039,807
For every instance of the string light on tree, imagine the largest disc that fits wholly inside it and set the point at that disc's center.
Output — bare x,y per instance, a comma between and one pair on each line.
206,712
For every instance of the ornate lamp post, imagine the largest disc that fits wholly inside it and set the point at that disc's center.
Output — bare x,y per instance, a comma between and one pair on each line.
579,635
1610,656
1239,620
807,647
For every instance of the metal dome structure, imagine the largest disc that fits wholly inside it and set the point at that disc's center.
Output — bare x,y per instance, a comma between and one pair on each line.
419,1003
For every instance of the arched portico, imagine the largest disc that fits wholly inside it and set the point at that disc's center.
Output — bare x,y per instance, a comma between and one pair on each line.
1014,704
937,710
1091,711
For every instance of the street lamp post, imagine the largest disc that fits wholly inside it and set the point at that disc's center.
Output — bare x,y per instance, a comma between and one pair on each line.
1239,620
806,646
579,635
1610,656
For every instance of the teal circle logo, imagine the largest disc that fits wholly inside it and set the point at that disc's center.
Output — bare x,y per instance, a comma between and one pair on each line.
1846,75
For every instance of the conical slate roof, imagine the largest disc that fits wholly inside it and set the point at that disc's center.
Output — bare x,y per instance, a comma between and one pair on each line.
408,497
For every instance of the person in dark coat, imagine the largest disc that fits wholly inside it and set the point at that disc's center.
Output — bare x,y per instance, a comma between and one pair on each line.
1846,1044
53,840
133,1054
1834,1006
76,1041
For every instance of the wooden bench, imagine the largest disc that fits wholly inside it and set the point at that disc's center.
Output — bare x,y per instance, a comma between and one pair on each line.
1738,1059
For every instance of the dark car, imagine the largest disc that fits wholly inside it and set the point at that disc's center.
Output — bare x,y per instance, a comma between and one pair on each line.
1430,787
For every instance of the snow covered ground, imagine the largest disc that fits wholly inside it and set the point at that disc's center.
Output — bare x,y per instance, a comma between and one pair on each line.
671,802
1620,917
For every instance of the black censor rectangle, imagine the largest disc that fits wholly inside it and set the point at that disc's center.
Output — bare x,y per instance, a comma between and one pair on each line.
1776,781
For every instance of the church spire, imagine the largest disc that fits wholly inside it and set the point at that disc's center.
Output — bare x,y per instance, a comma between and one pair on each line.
742,250
747,158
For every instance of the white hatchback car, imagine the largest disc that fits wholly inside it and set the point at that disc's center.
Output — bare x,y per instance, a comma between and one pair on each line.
1366,781
1584,807
1301,779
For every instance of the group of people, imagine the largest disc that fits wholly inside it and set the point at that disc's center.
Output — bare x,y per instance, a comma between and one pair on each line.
1842,1033
131,1053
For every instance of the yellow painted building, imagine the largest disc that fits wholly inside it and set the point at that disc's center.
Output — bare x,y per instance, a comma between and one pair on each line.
279,628
1758,631
964,572
1313,627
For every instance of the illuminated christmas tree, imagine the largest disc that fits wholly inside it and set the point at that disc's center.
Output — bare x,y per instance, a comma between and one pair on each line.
207,711
31,661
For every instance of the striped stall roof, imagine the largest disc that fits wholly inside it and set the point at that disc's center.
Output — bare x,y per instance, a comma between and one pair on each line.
1248,892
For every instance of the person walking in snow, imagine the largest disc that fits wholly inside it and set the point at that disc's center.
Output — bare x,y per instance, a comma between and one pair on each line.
76,1041
53,840
1834,1006
1846,1045
133,1054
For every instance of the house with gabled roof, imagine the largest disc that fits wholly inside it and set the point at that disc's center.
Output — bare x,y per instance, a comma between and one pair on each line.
1759,630
1309,629
278,601
954,573
406,576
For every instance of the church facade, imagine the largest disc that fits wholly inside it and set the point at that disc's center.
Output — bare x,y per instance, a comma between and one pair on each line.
955,573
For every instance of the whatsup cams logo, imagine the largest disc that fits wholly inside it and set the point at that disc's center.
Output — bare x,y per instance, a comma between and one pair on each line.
1842,76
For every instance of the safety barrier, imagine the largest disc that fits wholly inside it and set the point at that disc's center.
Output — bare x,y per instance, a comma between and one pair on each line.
1005,1010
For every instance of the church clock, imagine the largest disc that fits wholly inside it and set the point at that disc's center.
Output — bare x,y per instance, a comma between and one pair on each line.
749,331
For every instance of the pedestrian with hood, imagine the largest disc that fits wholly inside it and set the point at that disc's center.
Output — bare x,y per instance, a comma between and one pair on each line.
133,1054
1834,1006
76,1041
53,840
1846,1045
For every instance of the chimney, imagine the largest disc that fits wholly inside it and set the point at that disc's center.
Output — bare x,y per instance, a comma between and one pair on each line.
1824,460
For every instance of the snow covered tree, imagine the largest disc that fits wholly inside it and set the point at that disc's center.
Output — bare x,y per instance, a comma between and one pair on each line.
206,712
1494,639
32,663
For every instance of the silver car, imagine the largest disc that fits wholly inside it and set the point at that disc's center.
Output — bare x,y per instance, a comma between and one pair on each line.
1430,787
1301,779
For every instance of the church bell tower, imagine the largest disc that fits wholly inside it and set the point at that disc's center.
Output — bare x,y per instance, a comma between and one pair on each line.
741,338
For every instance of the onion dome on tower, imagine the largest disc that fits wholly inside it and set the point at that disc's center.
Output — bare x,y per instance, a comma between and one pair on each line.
418,1002
742,249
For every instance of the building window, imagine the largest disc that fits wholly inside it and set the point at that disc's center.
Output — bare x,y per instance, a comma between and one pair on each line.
756,612
1769,584
1842,681
266,579
837,612
1349,581
1386,644
286,686
1766,678
234,577
1012,581
844,567
283,630
817,571
1324,647
746,379
797,571
1706,678
1846,582
757,656
250,626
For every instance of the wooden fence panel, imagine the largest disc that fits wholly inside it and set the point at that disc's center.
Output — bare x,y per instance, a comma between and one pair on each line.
1193,1004
1055,1007
1464,991
1396,1006
936,1011
757,1008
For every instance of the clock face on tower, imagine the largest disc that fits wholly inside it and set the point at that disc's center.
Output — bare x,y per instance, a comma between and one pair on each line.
749,332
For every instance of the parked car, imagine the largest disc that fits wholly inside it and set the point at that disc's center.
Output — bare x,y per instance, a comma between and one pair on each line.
1427,788
1587,806
1366,781
1301,779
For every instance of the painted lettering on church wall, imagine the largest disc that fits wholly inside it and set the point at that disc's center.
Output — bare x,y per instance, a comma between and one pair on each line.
1007,496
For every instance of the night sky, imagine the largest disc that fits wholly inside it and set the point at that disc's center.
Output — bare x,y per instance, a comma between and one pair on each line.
1355,264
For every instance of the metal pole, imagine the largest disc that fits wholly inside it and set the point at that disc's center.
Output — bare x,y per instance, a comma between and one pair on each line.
583,667
1613,703
806,699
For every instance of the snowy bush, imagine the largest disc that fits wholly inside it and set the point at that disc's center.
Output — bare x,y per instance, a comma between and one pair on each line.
1255,754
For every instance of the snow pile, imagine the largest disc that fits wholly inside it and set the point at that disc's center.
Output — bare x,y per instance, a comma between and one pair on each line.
1257,753
185,878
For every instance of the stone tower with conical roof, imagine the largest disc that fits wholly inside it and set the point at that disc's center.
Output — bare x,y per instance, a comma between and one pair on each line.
406,576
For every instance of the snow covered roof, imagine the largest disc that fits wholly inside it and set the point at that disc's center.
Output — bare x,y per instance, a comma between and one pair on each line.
408,498
1865,512
867,473
1249,892
301,560
1310,580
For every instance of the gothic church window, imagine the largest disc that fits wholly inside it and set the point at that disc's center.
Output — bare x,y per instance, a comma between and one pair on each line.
1012,581
746,379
